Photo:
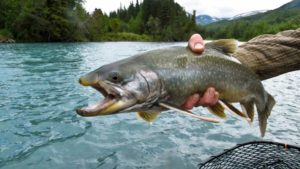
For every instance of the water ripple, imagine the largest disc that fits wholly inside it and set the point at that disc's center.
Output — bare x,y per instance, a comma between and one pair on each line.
39,128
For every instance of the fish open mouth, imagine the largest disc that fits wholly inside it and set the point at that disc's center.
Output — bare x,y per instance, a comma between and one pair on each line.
112,103
103,107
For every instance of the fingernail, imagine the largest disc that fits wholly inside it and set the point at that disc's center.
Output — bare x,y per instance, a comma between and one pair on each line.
198,46
195,97
210,91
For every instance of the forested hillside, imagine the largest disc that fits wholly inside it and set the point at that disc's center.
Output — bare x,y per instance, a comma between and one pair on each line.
67,20
150,20
43,20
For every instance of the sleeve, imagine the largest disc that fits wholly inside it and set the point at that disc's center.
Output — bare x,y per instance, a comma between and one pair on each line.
271,55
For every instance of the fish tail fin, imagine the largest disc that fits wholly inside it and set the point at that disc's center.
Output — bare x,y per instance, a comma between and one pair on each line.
270,103
264,113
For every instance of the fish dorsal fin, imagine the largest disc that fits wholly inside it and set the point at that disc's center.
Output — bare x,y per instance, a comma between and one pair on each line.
235,110
227,46
186,112
148,116
217,110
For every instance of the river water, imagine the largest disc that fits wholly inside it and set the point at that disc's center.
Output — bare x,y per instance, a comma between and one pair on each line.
39,128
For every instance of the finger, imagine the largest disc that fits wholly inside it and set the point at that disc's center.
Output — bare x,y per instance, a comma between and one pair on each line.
191,101
196,43
210,98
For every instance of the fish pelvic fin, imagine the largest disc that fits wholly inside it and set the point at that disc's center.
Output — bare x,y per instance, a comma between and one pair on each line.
187,112
217,110
148,116
228,46
265,113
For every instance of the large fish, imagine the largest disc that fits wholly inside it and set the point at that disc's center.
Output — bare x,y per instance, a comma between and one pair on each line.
163,79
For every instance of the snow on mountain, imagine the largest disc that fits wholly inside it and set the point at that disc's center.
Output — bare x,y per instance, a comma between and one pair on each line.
248,14
206,19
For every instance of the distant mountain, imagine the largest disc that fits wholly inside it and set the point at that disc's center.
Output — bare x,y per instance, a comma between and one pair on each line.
248,14
290,5
206,19
245,27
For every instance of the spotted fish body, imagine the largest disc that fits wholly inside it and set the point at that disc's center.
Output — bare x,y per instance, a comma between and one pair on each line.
185,73
173,74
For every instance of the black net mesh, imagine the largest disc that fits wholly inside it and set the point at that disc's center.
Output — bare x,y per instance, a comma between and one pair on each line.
258,155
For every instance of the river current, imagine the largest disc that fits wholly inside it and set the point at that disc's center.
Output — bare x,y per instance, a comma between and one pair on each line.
39,128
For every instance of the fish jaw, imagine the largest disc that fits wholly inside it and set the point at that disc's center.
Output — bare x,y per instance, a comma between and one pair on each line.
115,99
105,107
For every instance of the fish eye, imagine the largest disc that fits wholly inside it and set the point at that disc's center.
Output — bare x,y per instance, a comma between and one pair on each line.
115,77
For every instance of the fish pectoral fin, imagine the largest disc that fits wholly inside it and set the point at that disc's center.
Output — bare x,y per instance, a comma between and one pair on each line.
218,110
228,46
148,116
234,110
187,112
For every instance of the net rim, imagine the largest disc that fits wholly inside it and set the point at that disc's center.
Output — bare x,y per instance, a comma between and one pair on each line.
225,151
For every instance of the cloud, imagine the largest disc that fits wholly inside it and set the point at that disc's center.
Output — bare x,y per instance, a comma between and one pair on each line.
106,6
218,8
229,8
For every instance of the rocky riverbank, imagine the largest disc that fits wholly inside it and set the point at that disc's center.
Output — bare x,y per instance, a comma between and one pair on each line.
6,40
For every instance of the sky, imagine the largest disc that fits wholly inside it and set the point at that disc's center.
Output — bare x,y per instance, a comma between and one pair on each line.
217,8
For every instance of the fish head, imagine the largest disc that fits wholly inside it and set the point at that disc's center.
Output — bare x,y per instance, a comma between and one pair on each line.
126,87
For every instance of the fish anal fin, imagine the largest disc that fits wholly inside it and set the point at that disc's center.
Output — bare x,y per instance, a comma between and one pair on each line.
217,110
248,107
148,116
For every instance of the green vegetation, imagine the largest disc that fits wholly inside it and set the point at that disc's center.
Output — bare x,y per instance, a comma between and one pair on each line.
151,20
125,36
44,20
5,35
248,27
67,20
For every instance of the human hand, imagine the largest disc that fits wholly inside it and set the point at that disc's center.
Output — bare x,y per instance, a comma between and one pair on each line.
210,97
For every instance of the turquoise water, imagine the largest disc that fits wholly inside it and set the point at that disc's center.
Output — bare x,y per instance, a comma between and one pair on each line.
40,129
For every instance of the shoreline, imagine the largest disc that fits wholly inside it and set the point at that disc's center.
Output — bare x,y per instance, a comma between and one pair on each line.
6,40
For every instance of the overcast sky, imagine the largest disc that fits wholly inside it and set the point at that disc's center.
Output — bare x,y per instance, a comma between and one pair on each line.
218,8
